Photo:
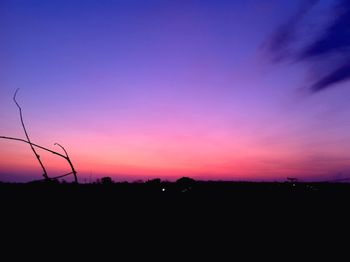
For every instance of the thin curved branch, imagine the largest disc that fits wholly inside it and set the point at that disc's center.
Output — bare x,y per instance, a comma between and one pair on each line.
41,147
69,162
29,142
74,172
56,177
57,144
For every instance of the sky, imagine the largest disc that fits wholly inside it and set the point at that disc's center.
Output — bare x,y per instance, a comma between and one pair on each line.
214,90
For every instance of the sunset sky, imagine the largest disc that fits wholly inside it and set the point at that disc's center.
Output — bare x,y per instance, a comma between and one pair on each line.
231,90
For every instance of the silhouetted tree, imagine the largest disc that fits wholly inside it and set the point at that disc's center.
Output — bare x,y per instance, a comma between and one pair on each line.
106,180
185,183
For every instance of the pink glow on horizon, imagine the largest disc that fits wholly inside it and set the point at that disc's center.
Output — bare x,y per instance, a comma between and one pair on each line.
170,156
164,89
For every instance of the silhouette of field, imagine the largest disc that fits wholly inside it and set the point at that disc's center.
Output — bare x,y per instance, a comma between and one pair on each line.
184,191
185,210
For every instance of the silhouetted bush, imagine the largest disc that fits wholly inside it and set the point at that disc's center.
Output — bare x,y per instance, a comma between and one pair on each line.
185,183
106,180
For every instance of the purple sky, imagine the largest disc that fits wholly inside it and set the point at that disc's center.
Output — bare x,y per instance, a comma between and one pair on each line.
238,90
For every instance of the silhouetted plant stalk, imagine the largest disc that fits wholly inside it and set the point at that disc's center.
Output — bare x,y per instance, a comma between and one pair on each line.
33,146
28,139
69,162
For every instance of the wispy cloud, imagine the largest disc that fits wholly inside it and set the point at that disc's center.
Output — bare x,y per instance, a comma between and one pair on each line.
333,44
279,43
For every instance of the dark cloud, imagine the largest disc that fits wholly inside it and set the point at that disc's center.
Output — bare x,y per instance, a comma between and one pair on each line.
336,37
279,43
333,44
335,41
342,73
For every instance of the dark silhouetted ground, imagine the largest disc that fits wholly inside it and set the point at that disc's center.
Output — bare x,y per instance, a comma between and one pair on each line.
184,193
158,216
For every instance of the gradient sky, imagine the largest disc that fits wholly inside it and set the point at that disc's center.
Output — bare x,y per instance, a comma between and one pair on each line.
232,90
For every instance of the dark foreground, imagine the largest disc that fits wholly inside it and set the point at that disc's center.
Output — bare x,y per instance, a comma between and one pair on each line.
137,204
174,216
186,193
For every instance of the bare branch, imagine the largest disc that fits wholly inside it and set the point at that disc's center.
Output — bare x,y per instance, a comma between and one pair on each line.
56,177
73,170
69,162
57,144
29,142
66,157
32,145
41,147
